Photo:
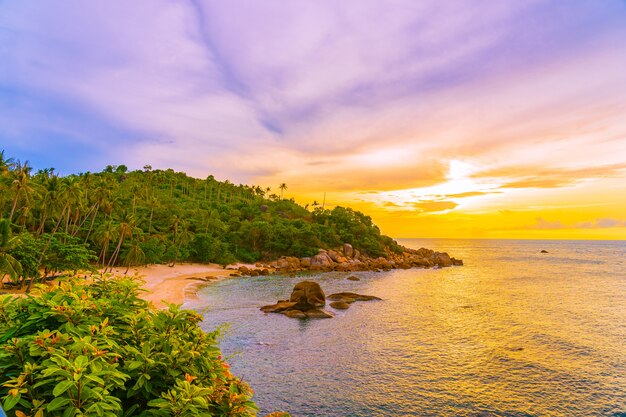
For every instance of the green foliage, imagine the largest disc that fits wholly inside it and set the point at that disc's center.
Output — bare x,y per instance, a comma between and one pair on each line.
157,216
96,349
66,253
9,264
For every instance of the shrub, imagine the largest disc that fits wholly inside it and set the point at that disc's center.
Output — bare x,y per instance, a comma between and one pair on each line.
98,349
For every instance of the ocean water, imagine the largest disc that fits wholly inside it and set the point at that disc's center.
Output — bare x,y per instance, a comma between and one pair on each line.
512,333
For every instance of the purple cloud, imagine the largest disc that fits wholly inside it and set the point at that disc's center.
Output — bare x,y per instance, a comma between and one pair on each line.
252,90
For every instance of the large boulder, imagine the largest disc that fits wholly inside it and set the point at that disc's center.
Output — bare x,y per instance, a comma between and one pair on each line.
442,259
306,301
336,257
348,250
321,260
308,295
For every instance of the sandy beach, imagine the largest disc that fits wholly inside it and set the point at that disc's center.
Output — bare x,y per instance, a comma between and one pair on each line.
165,284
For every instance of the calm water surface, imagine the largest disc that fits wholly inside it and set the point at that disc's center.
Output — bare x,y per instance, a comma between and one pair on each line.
512,333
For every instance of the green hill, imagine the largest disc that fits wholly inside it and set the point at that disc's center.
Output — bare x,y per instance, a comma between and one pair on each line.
123,218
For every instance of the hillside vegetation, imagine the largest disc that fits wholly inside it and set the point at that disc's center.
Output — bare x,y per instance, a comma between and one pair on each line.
119,217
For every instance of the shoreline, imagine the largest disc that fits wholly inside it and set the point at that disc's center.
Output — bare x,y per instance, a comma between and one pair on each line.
175,284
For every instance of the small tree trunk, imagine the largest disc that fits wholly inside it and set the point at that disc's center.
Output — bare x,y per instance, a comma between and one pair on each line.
17,195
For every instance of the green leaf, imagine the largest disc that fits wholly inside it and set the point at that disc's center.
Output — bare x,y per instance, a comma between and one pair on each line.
95,379
81,361
159,402
132,365
61,387
10,402
57,403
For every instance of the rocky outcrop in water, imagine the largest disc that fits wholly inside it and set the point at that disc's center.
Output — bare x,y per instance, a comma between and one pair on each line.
348,259
306,301
343,300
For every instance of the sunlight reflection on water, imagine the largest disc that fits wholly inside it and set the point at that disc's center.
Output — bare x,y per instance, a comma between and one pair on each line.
512,333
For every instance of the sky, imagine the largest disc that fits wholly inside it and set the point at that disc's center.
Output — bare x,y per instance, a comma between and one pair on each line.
490,119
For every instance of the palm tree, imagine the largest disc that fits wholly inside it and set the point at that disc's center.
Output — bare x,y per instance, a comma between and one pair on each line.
50,200
8,264
102,197
72,193
6,164
104,234
182,235
134,256
282,187
20,183
126,228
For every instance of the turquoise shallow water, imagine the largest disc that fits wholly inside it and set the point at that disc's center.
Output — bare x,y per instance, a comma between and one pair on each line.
512,333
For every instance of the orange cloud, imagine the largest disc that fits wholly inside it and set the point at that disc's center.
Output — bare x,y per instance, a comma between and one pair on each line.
531,176
434,206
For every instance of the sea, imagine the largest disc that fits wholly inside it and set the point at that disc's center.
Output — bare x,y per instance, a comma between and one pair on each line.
513,332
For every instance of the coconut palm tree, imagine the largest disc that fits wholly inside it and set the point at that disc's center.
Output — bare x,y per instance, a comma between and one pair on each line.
134,255
20,184
104,234
282,187
126,228
6,164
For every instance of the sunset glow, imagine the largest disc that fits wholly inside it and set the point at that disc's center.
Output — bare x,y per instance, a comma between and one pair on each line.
437,119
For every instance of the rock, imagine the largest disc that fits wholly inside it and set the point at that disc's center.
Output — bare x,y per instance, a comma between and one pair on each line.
457,262
278,307
350,297
353,278
442,259
305,262
295,314
318,314
321,260
340,305
544,251
334,256
308,295
348,250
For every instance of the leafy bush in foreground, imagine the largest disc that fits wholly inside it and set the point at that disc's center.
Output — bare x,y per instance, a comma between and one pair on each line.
97,349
